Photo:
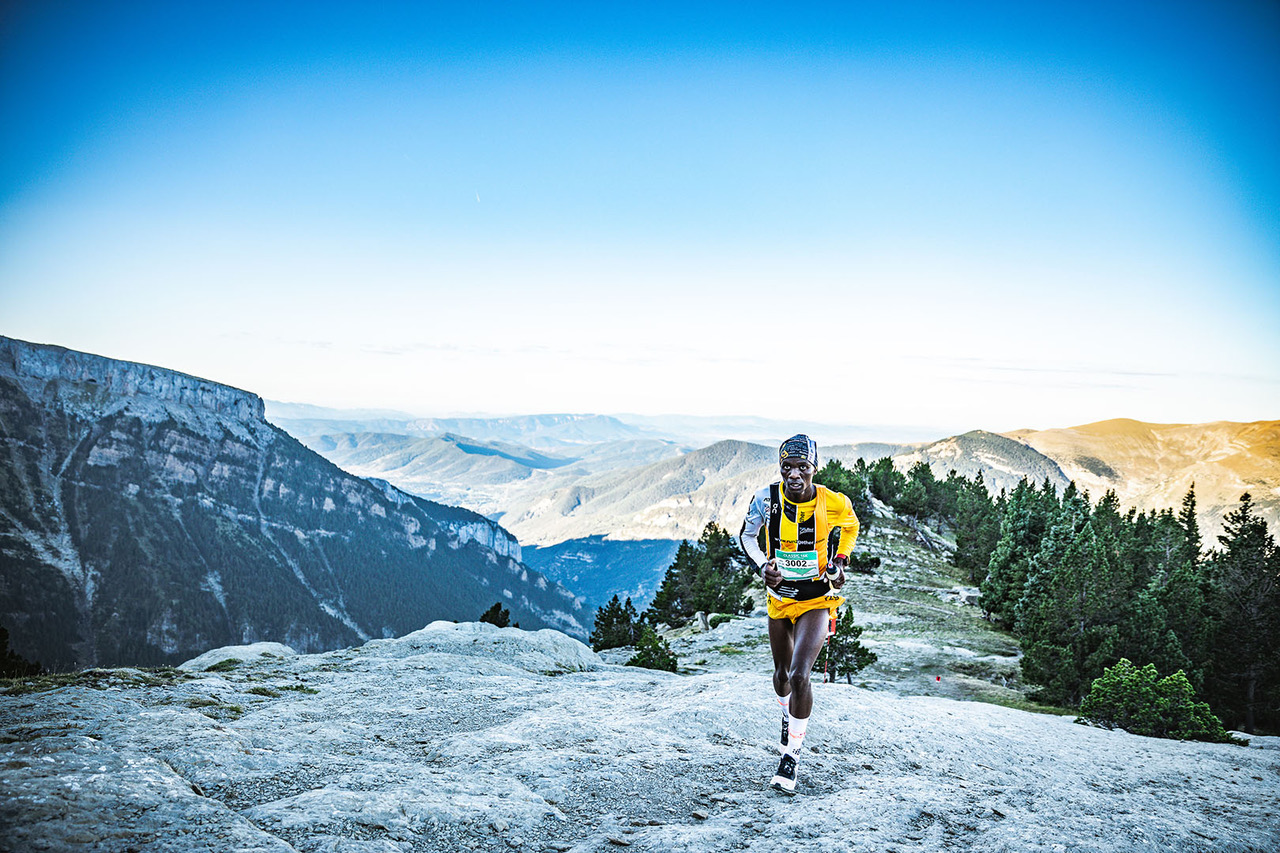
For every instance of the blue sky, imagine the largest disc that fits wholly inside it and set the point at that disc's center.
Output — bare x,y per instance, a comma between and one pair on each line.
942,214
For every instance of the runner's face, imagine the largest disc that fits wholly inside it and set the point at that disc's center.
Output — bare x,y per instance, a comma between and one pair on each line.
797,478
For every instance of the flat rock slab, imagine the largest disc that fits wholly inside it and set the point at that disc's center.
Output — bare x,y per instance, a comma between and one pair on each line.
475,737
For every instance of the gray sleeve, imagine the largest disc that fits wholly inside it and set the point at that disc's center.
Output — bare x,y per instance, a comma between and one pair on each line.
757,514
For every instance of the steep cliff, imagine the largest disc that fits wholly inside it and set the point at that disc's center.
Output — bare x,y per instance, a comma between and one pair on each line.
146,515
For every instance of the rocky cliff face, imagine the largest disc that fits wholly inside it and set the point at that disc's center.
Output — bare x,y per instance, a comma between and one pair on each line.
468,526
146,515
103,380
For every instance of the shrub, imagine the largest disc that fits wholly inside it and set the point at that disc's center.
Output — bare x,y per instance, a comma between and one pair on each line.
652,652
1142,703
720,619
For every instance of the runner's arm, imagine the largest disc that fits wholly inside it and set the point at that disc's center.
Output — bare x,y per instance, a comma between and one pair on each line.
747,537
848,529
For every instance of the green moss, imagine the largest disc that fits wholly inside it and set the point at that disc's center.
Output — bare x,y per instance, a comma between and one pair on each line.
223,665
300,688
264,691
215,708
95,679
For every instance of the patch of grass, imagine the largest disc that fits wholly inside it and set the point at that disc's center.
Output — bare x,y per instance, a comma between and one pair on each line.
300,688
976,669
215,708
730,649
264,691
95,679
223,665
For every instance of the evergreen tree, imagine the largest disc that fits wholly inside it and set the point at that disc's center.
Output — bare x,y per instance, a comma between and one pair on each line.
12,664
1190,527
616,625
1022,527
850,483
708,575
844,653
1180,584
497,615
1142,703
1068,617
1245,603
912,500
885,481
977,524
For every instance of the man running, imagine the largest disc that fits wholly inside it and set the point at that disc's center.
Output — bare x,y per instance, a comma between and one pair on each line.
810,532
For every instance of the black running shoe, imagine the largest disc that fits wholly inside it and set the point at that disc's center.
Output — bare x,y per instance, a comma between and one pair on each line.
785,779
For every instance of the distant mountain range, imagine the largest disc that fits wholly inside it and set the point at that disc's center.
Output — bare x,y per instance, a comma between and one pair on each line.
579,506
480,474
1153,465
147,515
537,431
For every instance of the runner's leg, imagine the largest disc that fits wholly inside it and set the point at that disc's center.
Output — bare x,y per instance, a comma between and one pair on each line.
781,644
809,634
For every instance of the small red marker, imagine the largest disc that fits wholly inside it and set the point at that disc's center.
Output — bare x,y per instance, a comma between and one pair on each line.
939,677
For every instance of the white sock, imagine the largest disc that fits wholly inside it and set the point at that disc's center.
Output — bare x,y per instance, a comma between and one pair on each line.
785,702
796,727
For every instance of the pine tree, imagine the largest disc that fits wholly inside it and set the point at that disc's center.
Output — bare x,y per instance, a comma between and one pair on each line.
1180,584
497,615
708,575
1022,527
1245,603
885,481
850,483
912,500
616,625
977,524
1190,526
844,653
1067,619
1140,702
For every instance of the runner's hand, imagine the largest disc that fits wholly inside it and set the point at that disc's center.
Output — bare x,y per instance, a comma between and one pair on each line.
837,580
772,577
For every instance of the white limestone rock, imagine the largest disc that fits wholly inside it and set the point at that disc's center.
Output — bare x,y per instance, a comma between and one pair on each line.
459,737
239,653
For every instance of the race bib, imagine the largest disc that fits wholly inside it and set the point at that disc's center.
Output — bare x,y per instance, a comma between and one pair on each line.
797,565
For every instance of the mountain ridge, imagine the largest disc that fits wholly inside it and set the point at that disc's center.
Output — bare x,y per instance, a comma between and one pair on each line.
1152,466
145,513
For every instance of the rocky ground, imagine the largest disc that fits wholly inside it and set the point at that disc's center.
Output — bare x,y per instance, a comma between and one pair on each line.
467,736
